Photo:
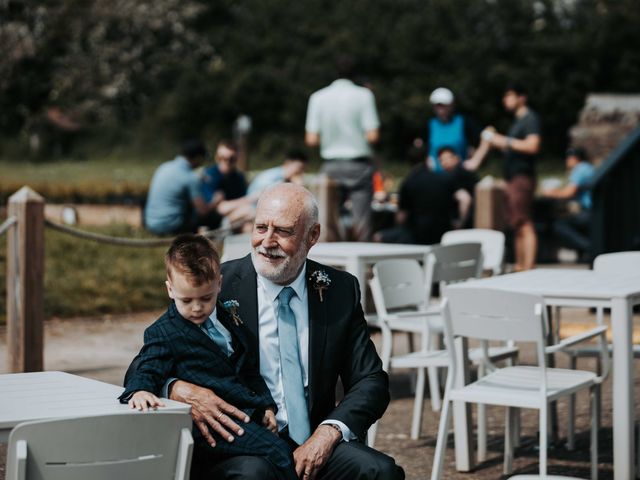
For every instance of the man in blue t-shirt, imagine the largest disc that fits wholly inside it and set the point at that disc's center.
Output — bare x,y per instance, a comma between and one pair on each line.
573,230
175,203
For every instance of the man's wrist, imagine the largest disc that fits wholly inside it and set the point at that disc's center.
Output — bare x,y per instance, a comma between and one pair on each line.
335,430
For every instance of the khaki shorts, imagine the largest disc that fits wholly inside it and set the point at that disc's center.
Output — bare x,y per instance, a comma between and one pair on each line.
520,193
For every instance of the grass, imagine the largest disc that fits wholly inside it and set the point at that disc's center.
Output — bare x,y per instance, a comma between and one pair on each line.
88,278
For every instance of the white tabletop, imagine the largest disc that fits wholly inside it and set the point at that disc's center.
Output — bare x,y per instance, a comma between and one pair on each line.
366,249
565,283
41,395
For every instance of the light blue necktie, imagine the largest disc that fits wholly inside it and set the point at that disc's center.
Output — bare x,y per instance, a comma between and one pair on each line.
294,398
215,335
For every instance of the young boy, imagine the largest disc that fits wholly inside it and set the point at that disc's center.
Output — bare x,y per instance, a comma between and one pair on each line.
201,342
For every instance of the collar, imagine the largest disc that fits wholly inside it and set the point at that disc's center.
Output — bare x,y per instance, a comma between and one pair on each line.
342,82
299,285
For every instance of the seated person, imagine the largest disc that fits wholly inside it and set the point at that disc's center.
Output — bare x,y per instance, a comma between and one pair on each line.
175,203
204,343
244,208
425,203
223,181
464,183
573,230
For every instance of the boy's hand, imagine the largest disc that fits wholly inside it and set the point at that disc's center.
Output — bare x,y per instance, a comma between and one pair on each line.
269,421
142,400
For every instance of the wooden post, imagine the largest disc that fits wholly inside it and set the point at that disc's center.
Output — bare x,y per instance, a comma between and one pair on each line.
328,196
25,282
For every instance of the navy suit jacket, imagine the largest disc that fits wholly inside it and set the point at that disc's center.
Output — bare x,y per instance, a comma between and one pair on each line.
339,345
177,348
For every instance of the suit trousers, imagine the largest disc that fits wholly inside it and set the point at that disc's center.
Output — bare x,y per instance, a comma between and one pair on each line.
349,461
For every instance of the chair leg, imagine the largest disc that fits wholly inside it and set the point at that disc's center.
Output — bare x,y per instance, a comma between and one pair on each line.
544,421
441,443
482,422
418,404
508,441
571,414
595,421
434,383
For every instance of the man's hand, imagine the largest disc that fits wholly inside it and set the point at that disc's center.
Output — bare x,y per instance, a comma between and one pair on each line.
312,455
209,410
269,420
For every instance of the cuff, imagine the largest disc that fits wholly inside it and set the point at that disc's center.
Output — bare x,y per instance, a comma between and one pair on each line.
166,388
347,434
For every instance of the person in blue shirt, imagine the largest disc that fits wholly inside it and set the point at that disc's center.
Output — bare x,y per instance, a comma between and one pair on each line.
449,128
223,181
175,203
573,231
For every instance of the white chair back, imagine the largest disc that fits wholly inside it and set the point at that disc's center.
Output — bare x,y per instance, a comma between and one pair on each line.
136,445
453,263
399,284
619,262
235,246
492,241
488,314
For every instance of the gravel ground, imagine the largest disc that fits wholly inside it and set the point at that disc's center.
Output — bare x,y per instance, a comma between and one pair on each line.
101,348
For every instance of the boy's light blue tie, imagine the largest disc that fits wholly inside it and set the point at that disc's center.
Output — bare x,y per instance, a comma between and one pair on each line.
215,335
292,369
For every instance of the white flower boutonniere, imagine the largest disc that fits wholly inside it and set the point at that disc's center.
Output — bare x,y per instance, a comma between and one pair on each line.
232,306
321,282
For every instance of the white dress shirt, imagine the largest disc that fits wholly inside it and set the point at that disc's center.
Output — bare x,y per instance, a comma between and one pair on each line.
270,369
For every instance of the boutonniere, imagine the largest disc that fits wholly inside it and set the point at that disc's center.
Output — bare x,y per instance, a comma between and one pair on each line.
321,281
232,307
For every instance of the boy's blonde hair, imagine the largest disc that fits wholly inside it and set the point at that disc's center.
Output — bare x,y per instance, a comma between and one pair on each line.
193,256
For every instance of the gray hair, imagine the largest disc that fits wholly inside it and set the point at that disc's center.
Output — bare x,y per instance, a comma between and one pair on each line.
309,206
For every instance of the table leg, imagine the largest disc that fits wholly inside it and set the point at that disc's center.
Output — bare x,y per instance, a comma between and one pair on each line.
623,395
462,414
551,363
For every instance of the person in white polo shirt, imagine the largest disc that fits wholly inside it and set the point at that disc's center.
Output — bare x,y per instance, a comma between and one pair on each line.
342,119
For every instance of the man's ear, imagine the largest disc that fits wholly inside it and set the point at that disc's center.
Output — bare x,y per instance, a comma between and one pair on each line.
169,289
314,235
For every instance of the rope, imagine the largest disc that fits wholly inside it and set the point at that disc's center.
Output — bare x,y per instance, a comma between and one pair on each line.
7,224
130,242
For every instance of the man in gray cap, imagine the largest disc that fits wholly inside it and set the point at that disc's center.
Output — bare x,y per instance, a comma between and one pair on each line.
449,128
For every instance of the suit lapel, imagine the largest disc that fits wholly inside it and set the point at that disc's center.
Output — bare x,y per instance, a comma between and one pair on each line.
317,328
244,289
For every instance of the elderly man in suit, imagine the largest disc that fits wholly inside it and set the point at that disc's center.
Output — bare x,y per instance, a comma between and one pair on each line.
306,321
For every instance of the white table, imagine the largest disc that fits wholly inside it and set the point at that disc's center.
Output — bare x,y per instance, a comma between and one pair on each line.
585,288
42,395
356,257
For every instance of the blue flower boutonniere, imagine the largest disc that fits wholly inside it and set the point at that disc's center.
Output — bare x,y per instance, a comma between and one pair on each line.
232,306
321,282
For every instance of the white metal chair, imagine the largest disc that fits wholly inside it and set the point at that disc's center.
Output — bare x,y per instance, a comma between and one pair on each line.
399,294
614,263
492,242
235,246
131,446
487,314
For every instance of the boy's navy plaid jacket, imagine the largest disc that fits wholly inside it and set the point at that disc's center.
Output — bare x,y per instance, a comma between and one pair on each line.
177,348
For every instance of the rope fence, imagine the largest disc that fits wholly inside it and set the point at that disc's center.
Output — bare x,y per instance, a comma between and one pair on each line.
7,224
217,234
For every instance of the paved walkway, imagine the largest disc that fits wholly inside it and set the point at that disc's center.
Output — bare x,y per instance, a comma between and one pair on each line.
101,348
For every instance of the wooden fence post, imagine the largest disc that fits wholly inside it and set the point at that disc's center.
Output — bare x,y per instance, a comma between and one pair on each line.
328,197
25,282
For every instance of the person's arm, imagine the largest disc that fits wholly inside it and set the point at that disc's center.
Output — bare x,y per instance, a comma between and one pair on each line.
312,139
373,136
529,145
567,192
312,123
366,397
464,201
480,153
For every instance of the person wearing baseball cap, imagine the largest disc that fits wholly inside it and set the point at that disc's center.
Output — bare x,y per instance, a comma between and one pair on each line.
449,128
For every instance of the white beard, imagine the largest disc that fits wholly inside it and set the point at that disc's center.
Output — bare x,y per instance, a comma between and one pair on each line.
286,271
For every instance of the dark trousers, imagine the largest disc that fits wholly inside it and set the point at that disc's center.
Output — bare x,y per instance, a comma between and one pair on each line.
573,232
349,461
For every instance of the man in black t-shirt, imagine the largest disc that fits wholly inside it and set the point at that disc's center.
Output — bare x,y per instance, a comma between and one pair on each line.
520,146
424,210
